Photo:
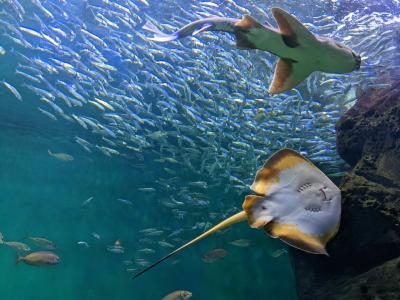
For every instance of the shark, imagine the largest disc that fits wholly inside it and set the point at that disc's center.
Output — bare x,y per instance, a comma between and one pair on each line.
294,201
299,51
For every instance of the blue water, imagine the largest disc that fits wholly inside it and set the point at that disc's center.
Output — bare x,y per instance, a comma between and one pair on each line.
42,196
205,95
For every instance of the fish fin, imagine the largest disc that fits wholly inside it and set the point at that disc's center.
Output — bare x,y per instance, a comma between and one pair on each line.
268,175
159,36
294,33
149,26
295,237
257,212
248,22
288,74
241,216
205,27
242,29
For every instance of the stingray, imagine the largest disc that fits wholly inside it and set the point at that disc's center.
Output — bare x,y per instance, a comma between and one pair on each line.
300,52
295,202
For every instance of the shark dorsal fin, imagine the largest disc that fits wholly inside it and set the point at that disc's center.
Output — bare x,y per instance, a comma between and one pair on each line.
288,74
242,27
294,33
248,22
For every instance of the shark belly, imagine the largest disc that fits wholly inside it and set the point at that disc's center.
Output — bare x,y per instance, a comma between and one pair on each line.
269,40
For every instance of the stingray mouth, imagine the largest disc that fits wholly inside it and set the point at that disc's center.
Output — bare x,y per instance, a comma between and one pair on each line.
357,59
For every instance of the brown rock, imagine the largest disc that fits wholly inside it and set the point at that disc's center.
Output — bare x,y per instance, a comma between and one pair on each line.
368,138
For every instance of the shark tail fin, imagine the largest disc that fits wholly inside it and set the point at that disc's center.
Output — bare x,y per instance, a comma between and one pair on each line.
159,36
241,216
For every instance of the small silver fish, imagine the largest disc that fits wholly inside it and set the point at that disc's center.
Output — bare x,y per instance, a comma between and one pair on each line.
18,246
13,90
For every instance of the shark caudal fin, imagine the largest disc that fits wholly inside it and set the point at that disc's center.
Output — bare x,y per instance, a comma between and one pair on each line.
159,36
241,216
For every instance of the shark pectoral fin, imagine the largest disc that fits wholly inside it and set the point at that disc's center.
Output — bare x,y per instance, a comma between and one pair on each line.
294,33
295,237
257,212
205,27
242,30
288,74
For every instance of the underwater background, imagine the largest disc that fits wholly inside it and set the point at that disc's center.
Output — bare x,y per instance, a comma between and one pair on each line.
163,140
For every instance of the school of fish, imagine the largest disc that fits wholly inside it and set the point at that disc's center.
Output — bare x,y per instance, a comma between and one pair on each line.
196,105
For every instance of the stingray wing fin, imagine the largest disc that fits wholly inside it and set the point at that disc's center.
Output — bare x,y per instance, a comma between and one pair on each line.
288,74
268,175
295,237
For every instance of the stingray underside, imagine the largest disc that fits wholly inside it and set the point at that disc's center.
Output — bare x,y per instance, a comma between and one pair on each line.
296,202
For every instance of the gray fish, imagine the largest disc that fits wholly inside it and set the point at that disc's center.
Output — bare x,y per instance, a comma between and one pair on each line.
13,90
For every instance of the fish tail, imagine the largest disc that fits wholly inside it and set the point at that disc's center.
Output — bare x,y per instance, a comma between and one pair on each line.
241,216
48,150
19,258
159,36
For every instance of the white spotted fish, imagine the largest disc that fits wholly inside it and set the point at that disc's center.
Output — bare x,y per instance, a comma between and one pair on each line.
295,202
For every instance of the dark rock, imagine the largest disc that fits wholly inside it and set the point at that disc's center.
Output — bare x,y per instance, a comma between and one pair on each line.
381,282
366,250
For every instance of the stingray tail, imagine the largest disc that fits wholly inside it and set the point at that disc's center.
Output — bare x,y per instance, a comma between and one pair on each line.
241,216
159,36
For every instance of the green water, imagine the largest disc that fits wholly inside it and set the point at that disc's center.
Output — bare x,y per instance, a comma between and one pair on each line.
42,196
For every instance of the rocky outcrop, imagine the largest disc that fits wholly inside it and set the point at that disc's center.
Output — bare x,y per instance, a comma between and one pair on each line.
364,260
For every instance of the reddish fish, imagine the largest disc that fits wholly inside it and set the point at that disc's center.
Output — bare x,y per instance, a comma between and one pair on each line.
214,255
